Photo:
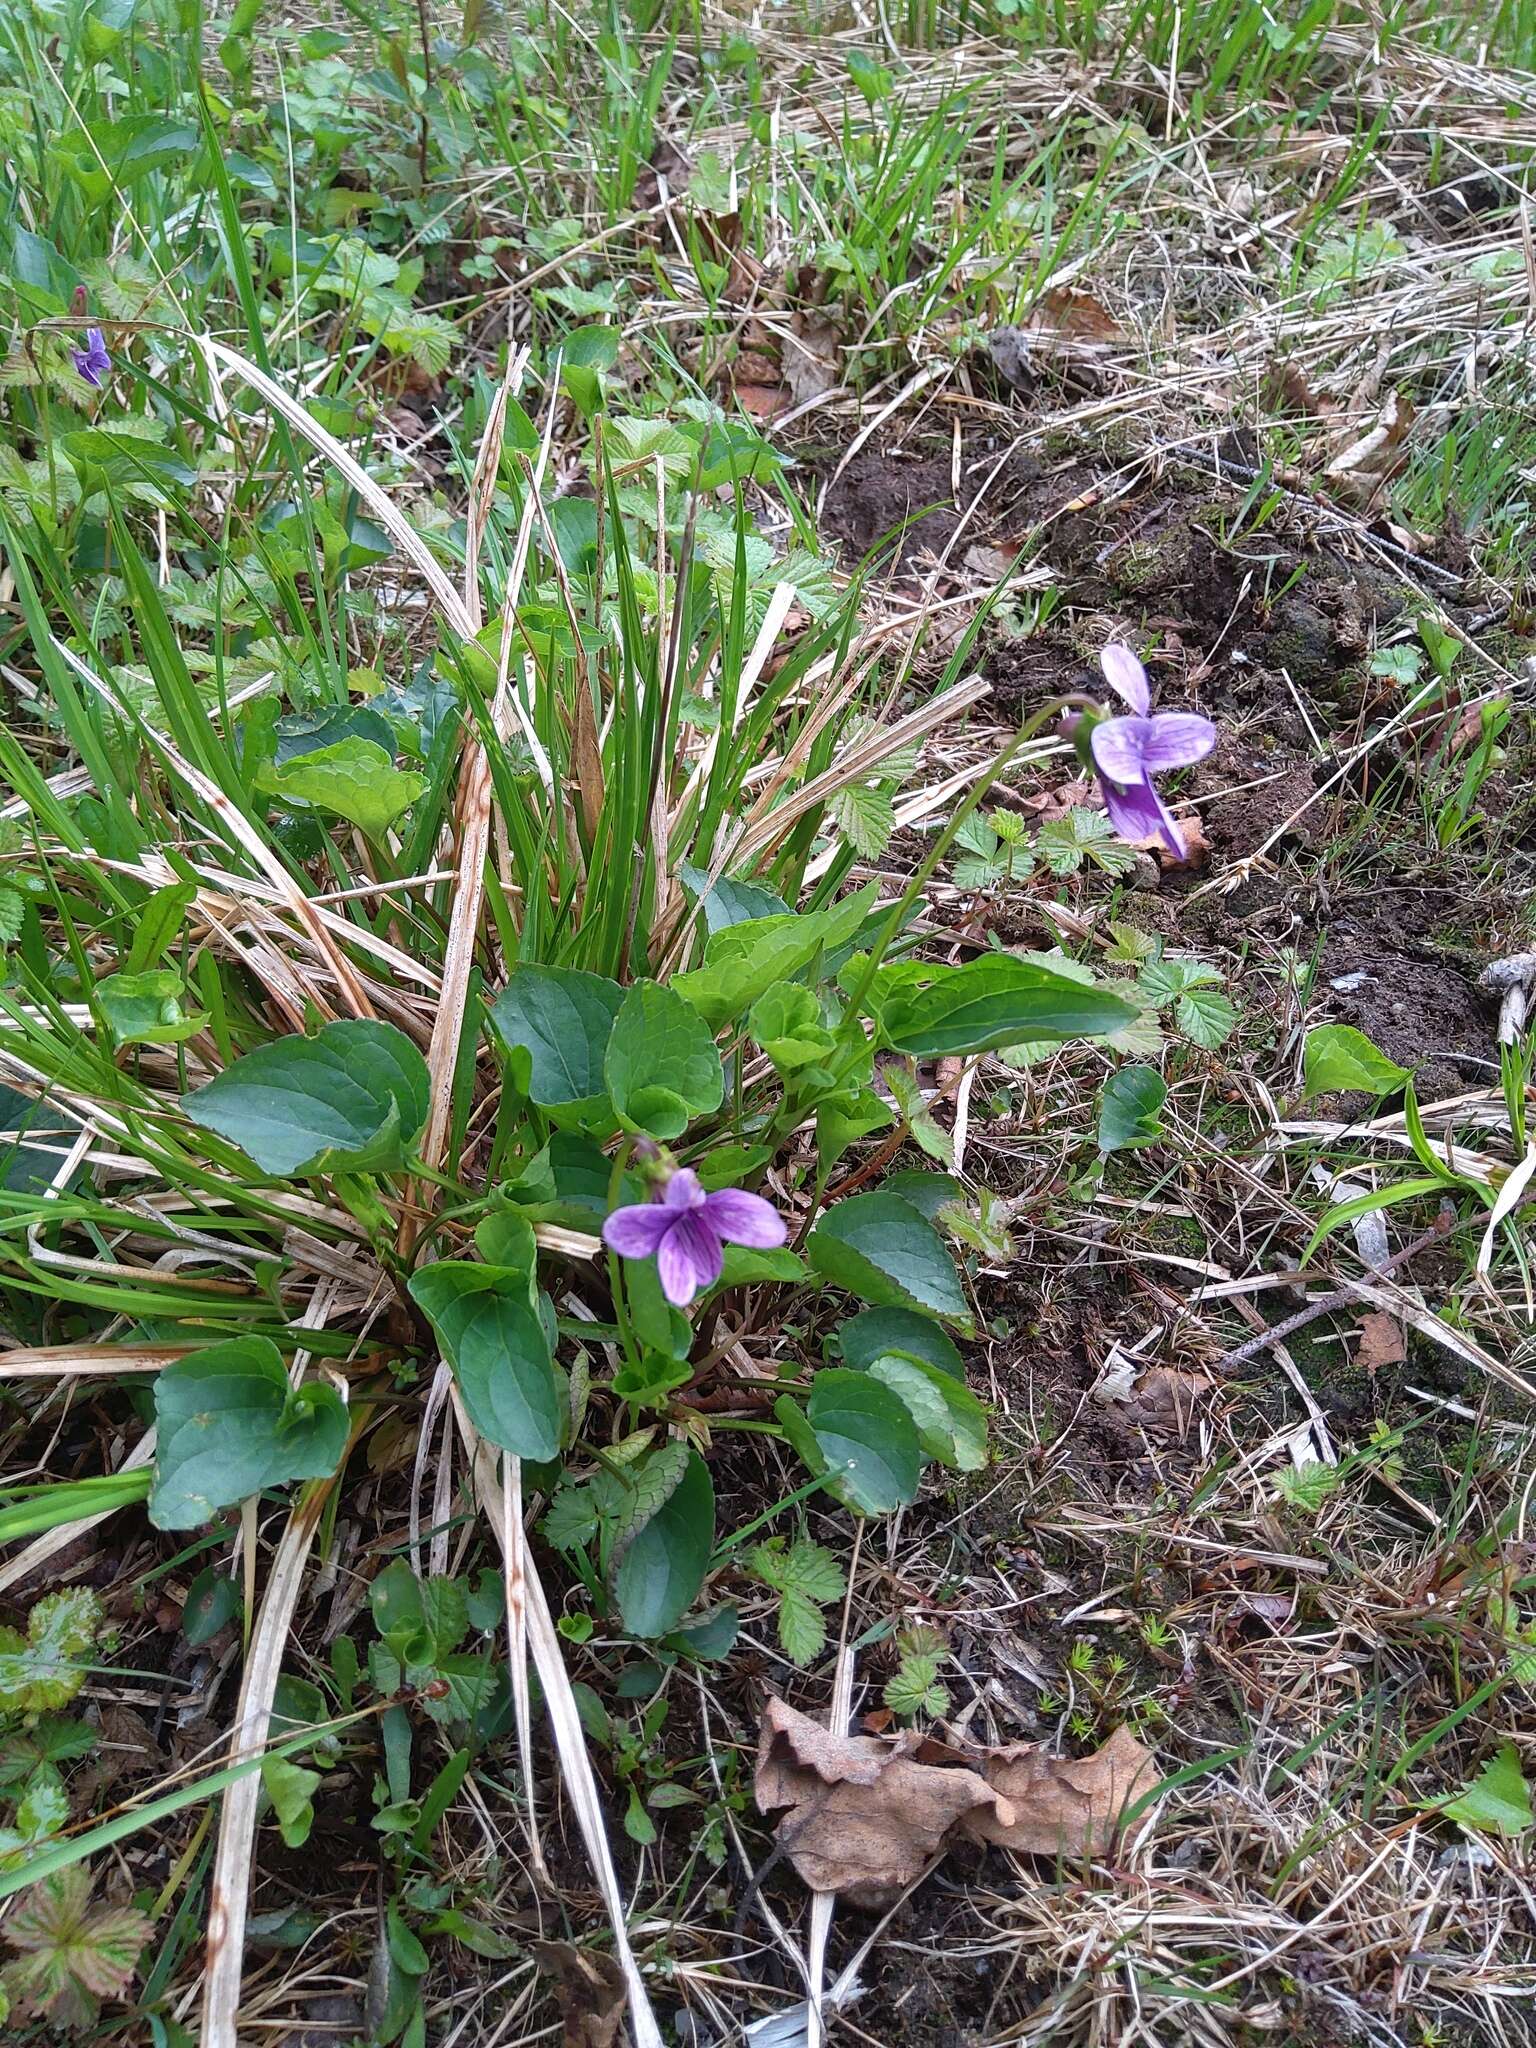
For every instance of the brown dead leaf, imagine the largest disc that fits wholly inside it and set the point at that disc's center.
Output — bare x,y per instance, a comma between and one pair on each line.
1370,461
1060,1807
1066,325
1055,803
861,1817
813,352
1197,848
1381,1342
591,1993
857,1815
1165,1398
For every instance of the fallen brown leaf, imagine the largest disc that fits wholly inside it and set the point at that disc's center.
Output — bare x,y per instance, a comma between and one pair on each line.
861,1816
1381,1342
1165,1397
591,1993
1064,323
812,357
1060,1807
857,1815
1369,462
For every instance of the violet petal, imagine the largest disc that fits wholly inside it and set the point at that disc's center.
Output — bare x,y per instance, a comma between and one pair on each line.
1126,677
1176,739
1139,813
743,1218
636,1232
691,1258
1119,748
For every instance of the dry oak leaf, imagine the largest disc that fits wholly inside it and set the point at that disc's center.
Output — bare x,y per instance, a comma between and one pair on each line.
1166,1397
858,1816
812,356
1061,1807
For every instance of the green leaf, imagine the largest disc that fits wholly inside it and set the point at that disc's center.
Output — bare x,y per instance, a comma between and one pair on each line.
662,1067
659,1576
146,1009
291,1788
45,1668
629,1498
951,1423
866,817
730,901
73,1953
1081,834
844,1120
1498,1800
104,455
353,1097
557,1024
901,1078
229,1424
1129,1103
802,1627
880,1248
996,1000
868,1439
356,779
212,1599
157,924
742,961
1205,1016
1337,1057
119,153
499,1352
786,1022
874,1332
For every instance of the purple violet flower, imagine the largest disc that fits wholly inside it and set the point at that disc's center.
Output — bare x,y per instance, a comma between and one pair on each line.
92,362
1128,752
685,1231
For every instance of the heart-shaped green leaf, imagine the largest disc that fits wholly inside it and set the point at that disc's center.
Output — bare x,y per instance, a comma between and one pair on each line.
662,1067
880,1248
556,1023
499,1352
875,1331
867,1438
351,1098
228,1424
1128,1108
146,1009
1337,1058
951,1423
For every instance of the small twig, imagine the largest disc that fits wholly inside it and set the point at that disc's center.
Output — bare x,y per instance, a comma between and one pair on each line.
1340,1297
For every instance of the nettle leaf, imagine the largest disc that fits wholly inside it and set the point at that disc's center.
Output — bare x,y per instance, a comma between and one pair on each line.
996,1000
1205,1016
866,817
880,1248
499,1351
1080,835
557,1024
868,1439
1128,1108
875,1332
146,1009
229,1424
951,1423
45,1668
1337,1058
659,1576
662,1066
742,961
353,1098
806,1577
355,778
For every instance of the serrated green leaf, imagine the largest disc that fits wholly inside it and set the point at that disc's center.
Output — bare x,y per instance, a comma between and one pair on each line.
743,960
1205,1016
45,1668
802,1627
629,1499
866,817
1498,1799
874,1332
1080,835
